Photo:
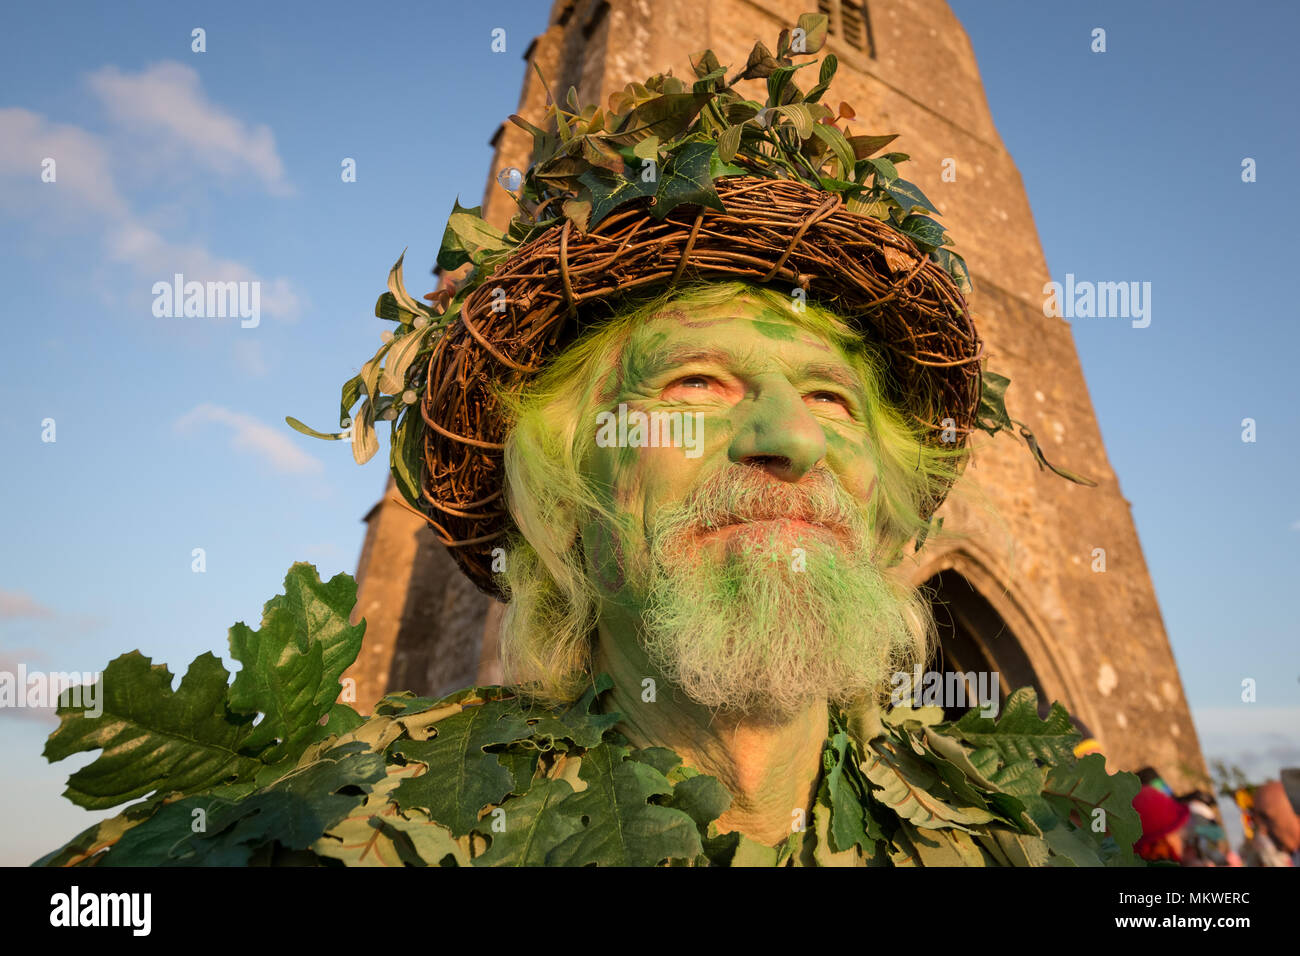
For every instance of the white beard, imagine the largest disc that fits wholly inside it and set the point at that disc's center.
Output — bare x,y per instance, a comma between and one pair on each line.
746,625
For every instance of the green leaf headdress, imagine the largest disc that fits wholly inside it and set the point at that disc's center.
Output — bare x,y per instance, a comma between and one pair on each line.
674,177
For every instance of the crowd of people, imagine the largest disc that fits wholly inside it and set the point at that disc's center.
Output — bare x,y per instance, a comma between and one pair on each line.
1185,829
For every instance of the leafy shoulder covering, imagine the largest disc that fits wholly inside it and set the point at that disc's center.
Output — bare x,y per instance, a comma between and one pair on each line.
268,769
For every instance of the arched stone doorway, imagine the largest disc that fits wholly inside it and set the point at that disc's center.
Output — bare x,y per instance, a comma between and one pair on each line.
974,639
984,619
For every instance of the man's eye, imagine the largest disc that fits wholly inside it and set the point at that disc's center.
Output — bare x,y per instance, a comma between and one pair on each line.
692,381
829,397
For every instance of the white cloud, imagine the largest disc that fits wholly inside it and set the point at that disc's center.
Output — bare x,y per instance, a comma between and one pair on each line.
273,445
250,357
33,664
156,259
85,198
1261,740
166,102
83,180
1247,719
17,604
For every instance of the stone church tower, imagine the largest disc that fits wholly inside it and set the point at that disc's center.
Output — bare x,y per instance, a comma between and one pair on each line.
1044,580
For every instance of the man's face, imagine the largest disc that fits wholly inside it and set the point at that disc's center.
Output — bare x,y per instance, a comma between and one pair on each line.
743,549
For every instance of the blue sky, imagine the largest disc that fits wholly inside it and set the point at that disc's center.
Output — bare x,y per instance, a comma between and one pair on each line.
226,163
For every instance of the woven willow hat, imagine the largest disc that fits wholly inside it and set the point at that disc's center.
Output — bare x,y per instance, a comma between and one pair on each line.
673,184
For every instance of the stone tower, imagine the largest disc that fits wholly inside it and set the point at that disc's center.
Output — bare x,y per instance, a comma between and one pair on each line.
1046,581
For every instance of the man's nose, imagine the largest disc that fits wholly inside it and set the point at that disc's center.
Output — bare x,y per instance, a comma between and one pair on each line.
779,433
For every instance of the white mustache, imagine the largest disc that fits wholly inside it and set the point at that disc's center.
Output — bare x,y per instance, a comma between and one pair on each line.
741,497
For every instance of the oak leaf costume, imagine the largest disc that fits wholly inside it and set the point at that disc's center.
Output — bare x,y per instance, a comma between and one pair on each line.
486,777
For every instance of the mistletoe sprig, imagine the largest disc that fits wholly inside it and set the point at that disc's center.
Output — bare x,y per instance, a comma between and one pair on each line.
992,417
390,385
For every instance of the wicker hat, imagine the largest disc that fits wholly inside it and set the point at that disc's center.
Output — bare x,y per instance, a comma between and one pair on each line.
780,231
675,183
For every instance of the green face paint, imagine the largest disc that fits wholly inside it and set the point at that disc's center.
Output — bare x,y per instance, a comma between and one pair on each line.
784,612
795,393
752,587
761,389
774,330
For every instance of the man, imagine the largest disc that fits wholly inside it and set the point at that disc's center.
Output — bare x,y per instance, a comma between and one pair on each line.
748,582
685,415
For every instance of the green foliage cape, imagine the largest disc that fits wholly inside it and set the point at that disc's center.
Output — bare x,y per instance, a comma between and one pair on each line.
270,769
